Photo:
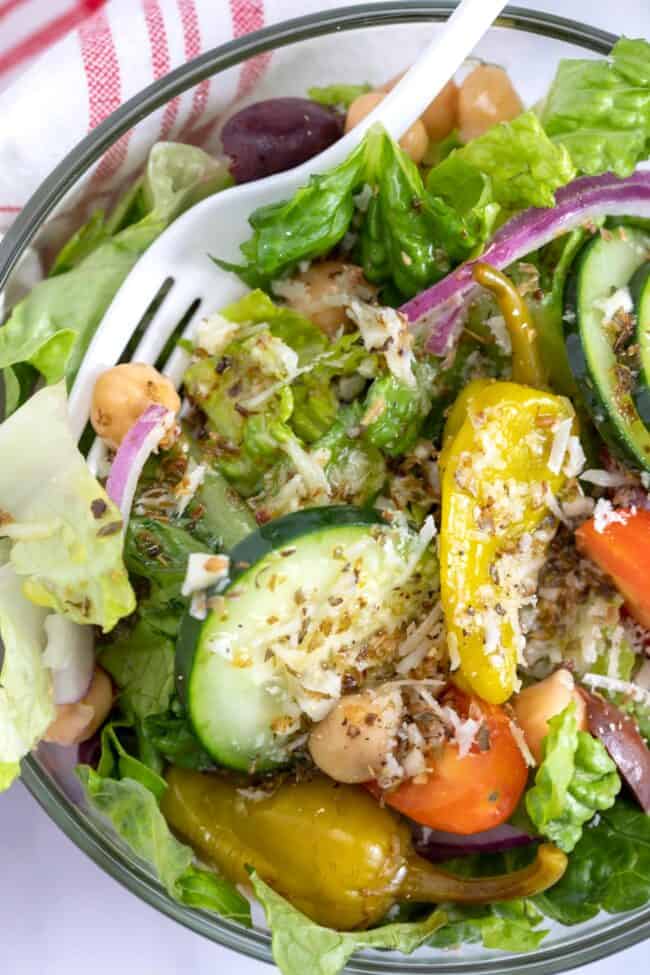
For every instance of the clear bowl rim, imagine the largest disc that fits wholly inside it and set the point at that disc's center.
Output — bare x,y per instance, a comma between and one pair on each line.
588,947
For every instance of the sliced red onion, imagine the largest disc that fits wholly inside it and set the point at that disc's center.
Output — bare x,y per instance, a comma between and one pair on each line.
436,846
70,655
577,203
141,441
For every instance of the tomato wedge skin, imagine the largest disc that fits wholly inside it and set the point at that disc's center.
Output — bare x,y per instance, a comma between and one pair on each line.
622,550
473,793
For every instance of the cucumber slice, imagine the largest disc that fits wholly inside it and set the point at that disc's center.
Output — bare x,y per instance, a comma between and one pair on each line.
313,596
640,293
604,266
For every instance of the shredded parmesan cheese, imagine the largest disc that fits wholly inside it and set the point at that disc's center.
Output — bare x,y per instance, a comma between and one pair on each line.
606,479
617,686
561,436
386,330
203,570
604,515
522,744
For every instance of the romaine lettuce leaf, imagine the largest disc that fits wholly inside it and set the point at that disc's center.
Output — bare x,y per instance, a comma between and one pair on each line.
173,738
407,237
609,869
26,708
600,109
133,812
118,763
575,780
141,663
301,946
506,926
52,327
66,533
513,166
337,96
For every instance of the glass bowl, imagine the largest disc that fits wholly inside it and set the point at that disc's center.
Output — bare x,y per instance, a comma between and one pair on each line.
528,44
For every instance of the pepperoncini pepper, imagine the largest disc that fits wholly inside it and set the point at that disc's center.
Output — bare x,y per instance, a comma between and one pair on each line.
330,849
527,364
496,484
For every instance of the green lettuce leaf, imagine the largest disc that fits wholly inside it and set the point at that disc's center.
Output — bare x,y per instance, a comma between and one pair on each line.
141,663
133,812
66,533
506,926
118,763
398,411
301,946
158,551
26,708
307,226
407,237
356,470
173,738
52,327
609,869
338,96
575,779
599,110
513,166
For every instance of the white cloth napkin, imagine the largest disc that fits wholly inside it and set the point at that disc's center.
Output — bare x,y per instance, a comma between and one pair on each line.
114,53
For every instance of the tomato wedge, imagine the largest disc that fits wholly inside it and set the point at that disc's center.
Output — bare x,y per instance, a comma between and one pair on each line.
472,793
622,550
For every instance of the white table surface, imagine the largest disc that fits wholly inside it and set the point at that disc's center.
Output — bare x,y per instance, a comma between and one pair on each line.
61,915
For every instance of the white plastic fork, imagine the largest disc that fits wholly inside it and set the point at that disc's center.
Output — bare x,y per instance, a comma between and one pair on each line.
219,224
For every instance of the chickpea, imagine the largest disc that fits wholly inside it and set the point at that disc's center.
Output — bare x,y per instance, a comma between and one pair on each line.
440,115
324,280
123,393
486,97
77,722
351,743
540,702
414,141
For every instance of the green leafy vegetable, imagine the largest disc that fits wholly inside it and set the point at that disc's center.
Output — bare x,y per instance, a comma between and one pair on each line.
66,533
338,96
609,869
133,812
600,109
307,226
52,327
171,735
142,665
116,762
406,236
158,551
512,166
315,406
576,779
355,470
301,945
394,413
26,708
508,926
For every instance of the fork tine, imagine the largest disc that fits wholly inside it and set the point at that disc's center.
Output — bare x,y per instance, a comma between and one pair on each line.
164,322
128,308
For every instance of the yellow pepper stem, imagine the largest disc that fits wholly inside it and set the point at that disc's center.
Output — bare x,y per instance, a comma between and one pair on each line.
527,367
425,884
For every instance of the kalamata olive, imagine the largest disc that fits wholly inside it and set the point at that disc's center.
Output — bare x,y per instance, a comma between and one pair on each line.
620,736
277,134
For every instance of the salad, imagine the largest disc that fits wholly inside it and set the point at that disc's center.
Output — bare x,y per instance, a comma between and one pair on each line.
358,619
